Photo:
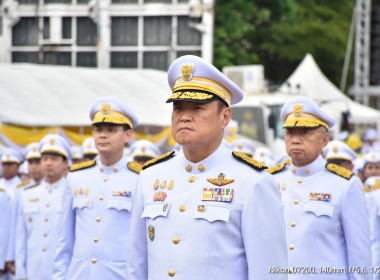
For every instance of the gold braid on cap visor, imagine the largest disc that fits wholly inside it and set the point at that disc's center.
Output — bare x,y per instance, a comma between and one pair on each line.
306,120
203,84
111,117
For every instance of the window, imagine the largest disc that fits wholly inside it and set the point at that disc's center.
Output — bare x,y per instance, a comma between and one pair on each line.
86,32
124,31
156,60
66,28
188,35
25,32
30,57
57,1
157,31
124,59
86,59
57,58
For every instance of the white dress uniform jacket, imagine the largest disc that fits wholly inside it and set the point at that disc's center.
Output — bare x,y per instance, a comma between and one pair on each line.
5,222
40,211
373,200
13,195
94,230
326,221
186,238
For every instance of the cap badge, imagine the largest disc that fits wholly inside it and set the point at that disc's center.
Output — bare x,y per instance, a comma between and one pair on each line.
34,149
106,108
52,141
335,149
88,145
373,157
8,155
220,181
143,148
240,146
187,70
297,110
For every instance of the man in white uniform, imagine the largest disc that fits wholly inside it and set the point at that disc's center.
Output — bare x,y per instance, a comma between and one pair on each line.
97,205
206,212
40,211
325,210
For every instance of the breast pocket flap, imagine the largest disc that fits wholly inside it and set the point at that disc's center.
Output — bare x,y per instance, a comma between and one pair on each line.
155,210
81,203
212,213
319,209
120,204
30,209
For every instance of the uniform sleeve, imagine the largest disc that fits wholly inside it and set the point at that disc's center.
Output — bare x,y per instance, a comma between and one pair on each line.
355,223
12,236
374,218
20,256
66,237
4,227
137,264
263,230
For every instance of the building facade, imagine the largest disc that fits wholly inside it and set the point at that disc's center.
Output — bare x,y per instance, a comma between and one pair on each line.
105,33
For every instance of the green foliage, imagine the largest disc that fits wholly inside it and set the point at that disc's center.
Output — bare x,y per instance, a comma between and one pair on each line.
278,34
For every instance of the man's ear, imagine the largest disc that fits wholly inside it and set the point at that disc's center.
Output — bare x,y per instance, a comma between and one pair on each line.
127,135
226,116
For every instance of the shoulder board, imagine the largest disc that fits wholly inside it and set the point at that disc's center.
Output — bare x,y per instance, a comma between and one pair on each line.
248,160
23,183
277,168
32,186
2,190
367,189
341,171
82,165
134,166
159,159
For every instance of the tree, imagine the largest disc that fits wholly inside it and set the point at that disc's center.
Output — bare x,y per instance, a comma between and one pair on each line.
278,34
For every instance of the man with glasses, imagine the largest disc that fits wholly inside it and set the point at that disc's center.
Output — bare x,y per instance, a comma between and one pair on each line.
97,205
325,209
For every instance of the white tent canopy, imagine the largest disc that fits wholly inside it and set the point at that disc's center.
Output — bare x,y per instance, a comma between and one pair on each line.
309,80
46,95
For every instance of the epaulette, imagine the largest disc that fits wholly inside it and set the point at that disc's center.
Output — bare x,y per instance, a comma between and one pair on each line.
82,165
23,183
2,190
277,168
373,187
32,186
366,189
341,171
159,159
134,166
250,161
